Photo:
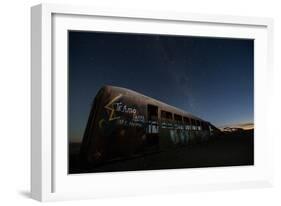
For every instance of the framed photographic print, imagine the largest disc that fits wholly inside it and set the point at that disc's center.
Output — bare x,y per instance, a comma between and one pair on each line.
138,102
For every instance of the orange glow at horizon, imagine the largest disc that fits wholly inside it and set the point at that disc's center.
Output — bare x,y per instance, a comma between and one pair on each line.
245,126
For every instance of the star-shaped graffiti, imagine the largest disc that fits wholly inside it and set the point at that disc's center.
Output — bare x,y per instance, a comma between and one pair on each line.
110,107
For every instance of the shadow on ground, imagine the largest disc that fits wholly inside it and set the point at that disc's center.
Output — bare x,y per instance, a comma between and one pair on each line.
228,149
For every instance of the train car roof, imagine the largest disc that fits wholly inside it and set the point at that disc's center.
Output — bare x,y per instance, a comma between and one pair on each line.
150,100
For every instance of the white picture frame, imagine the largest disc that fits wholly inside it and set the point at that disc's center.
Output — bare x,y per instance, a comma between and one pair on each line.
49,178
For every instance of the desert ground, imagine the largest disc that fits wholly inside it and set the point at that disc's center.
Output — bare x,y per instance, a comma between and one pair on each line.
228,149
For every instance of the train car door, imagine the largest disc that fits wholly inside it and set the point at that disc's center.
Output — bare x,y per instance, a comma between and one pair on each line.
152,129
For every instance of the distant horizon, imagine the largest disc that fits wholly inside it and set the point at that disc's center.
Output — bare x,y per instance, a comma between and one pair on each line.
241,125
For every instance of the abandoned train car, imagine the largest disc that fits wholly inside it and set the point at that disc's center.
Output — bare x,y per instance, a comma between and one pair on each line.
124,123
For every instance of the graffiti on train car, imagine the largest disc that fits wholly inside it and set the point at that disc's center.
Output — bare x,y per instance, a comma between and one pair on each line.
124,114
129,123
121,107
111,109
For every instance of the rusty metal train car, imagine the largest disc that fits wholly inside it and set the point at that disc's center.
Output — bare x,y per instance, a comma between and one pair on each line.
124,123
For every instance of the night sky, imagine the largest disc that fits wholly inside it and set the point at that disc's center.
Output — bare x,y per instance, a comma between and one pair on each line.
211,78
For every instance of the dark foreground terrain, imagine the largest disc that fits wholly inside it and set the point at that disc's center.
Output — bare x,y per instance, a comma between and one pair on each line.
229,149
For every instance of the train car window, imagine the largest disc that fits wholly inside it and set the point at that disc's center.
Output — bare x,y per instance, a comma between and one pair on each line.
152,129
193,124
178,121
186,121
199,127
169,116
152,117
164,115
166,119
178,118
163,119
205,126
